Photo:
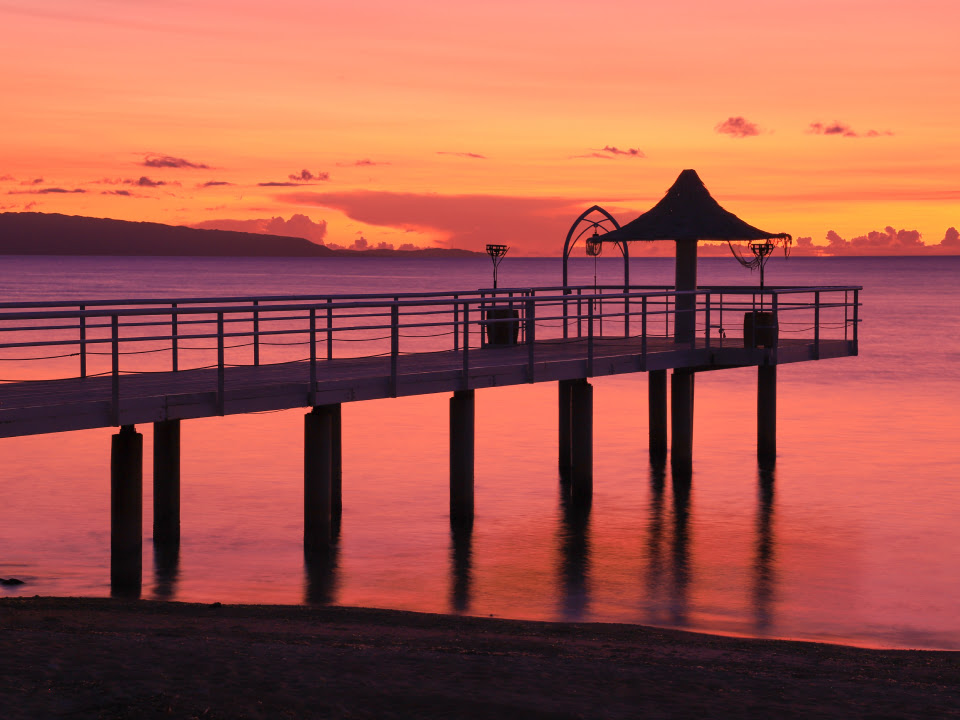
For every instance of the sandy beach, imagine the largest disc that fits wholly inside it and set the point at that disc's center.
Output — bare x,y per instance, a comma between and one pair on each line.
104,658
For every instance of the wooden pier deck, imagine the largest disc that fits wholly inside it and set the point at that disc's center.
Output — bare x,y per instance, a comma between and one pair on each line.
46,406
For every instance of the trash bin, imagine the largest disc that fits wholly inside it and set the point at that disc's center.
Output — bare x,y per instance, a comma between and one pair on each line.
760,329
503,326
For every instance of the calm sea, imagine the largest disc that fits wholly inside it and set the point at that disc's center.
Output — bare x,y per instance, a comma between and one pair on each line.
852,539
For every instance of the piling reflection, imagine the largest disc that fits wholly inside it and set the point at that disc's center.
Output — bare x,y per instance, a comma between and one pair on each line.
166,570
680,565
764,564
321,565
574,560
461,565
655,568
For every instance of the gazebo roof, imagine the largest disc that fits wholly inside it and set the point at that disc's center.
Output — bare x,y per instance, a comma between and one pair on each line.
688,212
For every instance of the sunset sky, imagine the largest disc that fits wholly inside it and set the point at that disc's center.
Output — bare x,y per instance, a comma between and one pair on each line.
458,124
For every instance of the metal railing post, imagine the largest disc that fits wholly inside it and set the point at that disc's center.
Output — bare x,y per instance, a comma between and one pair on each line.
626,314
312,395
83,343
816,325
394,346
329,329
856,317
775,329
706,319
174,345
115,379
579,314
221,401
256,333
643,334
566,291
456,323
466,344
483,334
531,336
590,338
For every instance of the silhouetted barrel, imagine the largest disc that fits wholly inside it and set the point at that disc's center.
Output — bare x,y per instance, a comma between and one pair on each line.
503,326
760,329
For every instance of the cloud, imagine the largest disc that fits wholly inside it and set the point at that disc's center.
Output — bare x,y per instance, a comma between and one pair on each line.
887,242
476,156
843,130
278,184
144,181
297,226
35,181
534,225
154,160
737,127
124,193
46,191
214,183
366,162
951,238
307,176
609,152
7,178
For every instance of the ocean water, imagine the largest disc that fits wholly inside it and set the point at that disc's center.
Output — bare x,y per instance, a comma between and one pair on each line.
850,539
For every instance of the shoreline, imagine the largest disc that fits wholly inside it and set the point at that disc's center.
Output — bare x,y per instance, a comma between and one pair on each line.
139,658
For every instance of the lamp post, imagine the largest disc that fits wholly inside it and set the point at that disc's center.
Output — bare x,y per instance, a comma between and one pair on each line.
496,253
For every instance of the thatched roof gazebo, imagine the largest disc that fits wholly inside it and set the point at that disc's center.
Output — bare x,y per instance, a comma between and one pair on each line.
686,214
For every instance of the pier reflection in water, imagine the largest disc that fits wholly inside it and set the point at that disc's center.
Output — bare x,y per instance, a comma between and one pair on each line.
669,570
166,570
764,565
461,566
573,535
321,567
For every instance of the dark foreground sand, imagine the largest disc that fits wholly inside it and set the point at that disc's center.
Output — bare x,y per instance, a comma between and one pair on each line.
64,657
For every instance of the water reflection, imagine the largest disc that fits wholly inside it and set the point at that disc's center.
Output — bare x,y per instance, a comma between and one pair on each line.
574,559
321,566
680,565
655,529
461,561
764,564
166,570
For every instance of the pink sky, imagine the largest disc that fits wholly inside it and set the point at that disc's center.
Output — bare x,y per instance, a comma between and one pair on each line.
461,124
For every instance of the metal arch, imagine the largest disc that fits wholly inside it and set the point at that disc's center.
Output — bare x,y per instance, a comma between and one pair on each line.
568,245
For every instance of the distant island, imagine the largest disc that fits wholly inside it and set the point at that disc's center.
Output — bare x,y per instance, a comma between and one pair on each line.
31,233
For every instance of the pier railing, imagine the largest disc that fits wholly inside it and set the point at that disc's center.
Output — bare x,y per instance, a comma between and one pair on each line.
49,340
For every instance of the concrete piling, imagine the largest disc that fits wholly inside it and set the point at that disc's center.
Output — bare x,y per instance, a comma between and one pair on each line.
166,482
317,478
462,421
565,390
657,414
581,476
126,512
681,410
767,413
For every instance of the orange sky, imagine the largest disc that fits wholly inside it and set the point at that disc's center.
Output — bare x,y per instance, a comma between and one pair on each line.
433,122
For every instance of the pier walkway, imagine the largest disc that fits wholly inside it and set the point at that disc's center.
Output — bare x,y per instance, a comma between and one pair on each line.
78,365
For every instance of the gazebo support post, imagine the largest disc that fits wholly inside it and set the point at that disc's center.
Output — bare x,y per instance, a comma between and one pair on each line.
581,480
685,324
564,443
681,407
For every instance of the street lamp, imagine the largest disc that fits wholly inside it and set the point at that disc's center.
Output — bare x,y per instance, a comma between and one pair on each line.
496,253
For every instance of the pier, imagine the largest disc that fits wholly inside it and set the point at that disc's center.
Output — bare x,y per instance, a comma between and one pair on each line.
131,362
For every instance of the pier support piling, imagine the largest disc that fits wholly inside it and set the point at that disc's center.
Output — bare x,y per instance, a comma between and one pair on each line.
336,480
126,512
462,420
767,413
657,414
581,476
565,393
318,478
166,483
681,410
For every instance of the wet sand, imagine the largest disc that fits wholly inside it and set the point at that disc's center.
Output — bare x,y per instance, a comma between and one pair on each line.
139,659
